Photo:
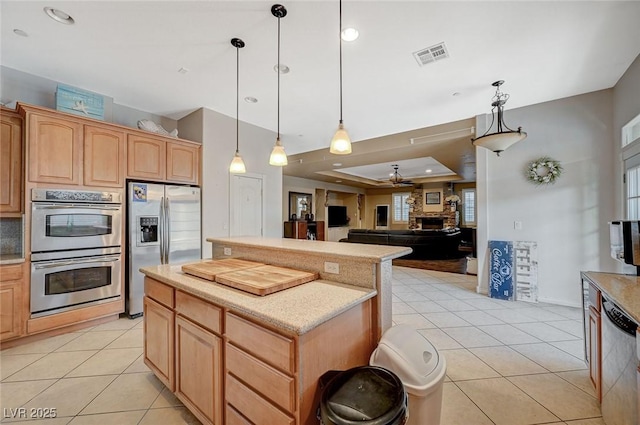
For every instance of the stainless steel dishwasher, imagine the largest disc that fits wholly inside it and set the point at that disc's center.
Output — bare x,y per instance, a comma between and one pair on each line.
619,363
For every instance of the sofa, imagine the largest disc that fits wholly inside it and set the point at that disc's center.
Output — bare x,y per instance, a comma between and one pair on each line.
426,244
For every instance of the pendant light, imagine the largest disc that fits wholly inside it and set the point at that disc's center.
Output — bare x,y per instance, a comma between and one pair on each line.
341,143
501,139
278,156
237,165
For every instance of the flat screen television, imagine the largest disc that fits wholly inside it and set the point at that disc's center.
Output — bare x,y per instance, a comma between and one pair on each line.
337,216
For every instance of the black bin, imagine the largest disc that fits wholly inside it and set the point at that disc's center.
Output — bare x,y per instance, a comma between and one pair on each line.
367,395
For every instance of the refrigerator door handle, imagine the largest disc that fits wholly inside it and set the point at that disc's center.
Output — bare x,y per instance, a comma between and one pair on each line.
161,231
167,250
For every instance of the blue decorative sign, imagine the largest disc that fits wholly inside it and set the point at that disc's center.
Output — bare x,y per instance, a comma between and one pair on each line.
501,267
80,102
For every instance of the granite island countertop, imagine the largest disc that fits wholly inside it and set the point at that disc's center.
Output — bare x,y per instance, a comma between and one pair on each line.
622,289
297,310
356,251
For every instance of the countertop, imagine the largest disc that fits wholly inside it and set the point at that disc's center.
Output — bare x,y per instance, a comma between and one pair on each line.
622,289
297,310
373,253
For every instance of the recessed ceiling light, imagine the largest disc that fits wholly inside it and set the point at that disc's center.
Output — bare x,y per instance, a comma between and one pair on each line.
349,34
20,33
250,99
428,170
337,164
59,16
284,69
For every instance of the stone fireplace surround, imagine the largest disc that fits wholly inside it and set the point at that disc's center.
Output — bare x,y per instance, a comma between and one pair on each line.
449,218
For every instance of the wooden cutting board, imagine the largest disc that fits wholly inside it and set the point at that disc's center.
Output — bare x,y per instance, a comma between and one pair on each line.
210,269
265,280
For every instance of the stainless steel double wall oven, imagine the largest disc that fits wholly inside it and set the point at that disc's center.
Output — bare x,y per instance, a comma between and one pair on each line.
76,245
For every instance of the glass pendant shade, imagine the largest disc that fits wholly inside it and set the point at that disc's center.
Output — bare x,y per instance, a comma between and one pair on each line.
237,164
341,143
278,156
498,142
501,139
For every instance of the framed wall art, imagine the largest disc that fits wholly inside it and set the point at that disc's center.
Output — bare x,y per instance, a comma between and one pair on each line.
432,198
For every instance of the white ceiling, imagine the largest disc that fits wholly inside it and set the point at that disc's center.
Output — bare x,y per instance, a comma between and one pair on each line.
132,51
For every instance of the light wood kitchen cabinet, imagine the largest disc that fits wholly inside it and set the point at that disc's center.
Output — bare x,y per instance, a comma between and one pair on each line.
104,157
153,158
595,339
10,163
159,328
183,162
146,157
55,149
11,323
232,369
260,367
199,371
199,357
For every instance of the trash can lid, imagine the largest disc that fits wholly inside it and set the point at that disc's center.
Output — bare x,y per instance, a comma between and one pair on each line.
410,356
364,395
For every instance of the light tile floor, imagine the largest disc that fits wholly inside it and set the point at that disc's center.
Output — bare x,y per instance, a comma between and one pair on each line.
508,363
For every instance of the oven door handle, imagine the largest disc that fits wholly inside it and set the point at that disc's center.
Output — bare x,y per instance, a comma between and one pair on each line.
74,262
75,206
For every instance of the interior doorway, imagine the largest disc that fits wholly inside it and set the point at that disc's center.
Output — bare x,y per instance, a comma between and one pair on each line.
382,217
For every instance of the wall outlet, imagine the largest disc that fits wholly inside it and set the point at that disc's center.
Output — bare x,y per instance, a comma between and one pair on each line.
333,268
226,251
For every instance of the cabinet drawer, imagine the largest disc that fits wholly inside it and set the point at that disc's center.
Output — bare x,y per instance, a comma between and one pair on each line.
235,418
10,272
252,406
205,314
264,344
266,380
159,292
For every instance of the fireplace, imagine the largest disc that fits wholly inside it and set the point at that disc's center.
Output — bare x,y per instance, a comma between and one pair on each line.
432,222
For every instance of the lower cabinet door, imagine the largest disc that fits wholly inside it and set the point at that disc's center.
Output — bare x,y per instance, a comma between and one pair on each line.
158,341
595,358
199,371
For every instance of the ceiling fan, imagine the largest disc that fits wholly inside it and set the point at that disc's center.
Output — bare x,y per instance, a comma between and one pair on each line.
396,178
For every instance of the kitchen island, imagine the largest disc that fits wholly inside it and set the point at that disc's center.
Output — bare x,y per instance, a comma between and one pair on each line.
236,358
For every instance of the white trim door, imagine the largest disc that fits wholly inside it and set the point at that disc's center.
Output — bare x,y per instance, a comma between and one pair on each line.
246,208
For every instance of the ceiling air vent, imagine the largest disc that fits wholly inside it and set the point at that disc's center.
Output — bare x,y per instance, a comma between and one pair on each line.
431,54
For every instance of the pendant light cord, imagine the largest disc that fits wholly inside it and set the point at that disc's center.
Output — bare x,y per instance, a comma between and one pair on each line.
237,99
278,71
340,35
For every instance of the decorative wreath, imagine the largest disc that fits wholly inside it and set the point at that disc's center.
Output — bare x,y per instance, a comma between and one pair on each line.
543,170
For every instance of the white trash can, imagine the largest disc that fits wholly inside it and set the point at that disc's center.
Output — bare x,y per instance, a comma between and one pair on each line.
419,366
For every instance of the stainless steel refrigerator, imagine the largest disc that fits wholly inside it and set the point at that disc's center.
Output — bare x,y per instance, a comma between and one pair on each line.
163,228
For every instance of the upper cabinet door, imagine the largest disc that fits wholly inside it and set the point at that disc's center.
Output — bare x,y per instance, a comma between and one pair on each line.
146,157
10,163
104,157
183,162
55,150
